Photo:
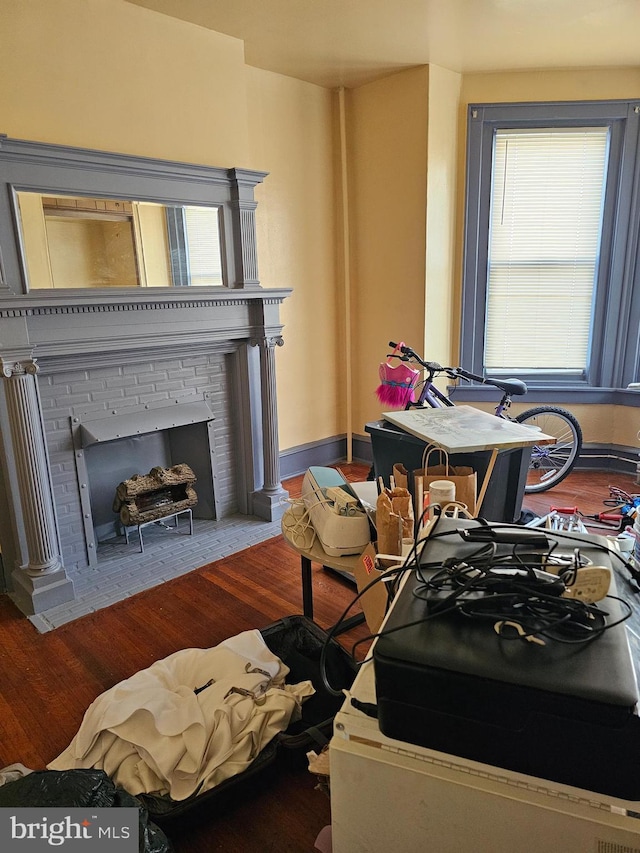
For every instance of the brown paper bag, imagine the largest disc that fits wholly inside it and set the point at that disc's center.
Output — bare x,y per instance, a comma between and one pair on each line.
394,519
400,476
464,478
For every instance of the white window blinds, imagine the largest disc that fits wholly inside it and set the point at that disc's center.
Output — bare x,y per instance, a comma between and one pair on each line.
544,240
203,243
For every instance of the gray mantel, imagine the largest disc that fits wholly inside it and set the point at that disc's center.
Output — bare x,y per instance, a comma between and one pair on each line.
70,356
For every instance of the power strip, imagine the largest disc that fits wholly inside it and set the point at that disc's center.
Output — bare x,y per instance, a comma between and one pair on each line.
591,584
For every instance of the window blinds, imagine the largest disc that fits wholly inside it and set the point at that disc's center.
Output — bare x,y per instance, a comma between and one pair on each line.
203,242
545,225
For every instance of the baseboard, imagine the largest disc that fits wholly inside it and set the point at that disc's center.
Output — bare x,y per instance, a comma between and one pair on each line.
608,457
328,451
332,451
361,446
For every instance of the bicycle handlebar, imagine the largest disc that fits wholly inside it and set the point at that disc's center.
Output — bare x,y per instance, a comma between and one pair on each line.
510,386
408,354
433,366
472,377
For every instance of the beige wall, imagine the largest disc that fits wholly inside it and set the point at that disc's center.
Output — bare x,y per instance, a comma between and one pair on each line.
292,131
387,125
442,177
402,134
114,76
580,85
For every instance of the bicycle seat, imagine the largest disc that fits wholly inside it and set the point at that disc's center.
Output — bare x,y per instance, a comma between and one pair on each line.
510,386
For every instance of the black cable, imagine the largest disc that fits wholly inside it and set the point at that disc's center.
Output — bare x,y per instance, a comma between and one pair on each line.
390,576
333,631
564,620
367,708
478,586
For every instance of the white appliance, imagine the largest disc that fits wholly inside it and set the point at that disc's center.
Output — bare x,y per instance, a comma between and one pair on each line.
390,795
340,522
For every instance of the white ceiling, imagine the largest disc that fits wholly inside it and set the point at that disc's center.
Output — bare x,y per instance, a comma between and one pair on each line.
351,42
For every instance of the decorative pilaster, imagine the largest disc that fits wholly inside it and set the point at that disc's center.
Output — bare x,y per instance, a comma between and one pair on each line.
42,582
243,207
268,502
246,255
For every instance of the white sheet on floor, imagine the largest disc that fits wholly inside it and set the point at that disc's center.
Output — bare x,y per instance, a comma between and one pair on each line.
153,734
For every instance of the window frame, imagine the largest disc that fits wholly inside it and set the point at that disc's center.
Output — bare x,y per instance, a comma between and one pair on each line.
616,312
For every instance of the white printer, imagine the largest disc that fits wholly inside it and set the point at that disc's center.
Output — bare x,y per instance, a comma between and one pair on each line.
340,522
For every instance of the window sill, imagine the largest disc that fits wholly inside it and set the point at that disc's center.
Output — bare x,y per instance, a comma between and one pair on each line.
566,396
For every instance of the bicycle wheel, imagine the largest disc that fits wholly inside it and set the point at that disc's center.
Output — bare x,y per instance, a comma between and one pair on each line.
551,463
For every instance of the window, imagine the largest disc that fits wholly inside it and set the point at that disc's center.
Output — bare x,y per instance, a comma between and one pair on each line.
194,246
544,239
551,243
203,241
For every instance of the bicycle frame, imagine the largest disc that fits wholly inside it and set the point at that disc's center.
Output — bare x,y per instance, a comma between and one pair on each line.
433,397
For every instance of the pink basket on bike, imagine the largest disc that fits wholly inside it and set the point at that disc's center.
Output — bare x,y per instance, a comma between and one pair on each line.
397,382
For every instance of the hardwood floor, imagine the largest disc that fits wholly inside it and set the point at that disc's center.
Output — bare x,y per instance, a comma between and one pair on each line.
585,489
48,680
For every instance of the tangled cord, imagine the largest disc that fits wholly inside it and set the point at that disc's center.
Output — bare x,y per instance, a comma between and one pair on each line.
298,525
618,497
516,595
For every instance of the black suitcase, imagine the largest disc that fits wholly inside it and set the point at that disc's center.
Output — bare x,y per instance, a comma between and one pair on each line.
298,642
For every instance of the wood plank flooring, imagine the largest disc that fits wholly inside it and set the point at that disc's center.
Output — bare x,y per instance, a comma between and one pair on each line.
48,680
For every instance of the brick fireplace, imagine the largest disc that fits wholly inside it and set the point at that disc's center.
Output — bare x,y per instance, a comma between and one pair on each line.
61,409
97,382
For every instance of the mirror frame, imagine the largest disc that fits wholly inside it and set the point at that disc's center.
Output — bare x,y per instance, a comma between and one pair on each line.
57,169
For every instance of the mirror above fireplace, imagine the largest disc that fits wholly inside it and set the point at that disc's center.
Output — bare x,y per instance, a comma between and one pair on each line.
83,242
76,219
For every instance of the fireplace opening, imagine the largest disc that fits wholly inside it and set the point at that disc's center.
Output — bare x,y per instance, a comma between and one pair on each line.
110,459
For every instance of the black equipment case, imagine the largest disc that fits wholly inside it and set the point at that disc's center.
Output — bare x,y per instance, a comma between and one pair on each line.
565,713
298,642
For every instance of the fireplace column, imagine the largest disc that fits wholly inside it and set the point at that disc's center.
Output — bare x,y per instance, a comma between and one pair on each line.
268,501
42,582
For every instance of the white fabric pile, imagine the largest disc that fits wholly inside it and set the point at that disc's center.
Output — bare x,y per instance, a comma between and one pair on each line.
154,734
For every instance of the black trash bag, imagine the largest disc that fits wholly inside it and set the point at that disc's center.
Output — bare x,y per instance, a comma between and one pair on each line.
79,788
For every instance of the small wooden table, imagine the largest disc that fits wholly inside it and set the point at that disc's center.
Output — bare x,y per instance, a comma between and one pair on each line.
302,538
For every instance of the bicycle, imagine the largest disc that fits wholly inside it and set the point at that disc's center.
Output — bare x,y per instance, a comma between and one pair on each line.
550,463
